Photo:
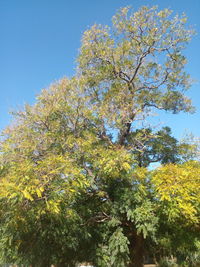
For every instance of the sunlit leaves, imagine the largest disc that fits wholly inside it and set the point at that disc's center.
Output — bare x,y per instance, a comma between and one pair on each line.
141,59
75,182
179,186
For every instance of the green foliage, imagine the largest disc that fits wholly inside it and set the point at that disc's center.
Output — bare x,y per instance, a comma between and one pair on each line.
136,67
160,147
115,253
168,262
75,182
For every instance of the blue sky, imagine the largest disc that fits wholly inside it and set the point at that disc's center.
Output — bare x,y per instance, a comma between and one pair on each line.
40,41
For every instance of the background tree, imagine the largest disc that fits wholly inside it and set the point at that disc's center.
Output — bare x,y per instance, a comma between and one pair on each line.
74,167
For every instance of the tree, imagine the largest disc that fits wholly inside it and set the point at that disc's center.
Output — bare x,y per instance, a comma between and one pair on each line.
74,167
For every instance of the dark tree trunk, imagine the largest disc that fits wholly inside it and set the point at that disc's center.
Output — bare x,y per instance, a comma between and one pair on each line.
136,249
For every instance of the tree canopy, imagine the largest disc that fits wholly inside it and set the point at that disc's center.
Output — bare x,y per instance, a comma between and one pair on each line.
76,176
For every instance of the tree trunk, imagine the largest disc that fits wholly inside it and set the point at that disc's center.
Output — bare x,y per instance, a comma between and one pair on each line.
136,249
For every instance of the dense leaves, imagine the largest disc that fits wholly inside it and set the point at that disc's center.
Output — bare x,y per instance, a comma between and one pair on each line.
76,176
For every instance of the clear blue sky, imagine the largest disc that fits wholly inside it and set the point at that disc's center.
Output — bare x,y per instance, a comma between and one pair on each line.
40,41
